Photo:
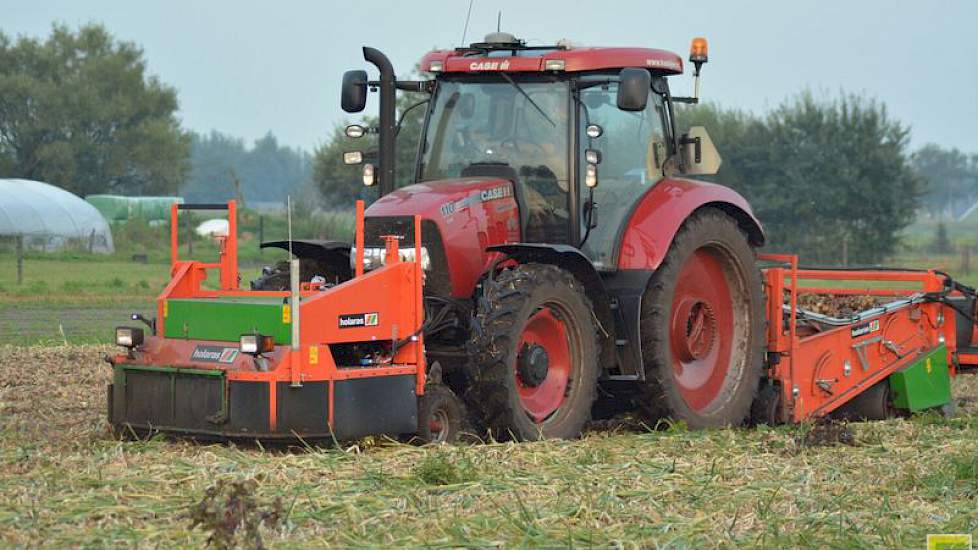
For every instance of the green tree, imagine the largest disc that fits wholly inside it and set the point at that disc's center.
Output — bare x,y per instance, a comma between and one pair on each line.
950,179
339,184
79,111
819,173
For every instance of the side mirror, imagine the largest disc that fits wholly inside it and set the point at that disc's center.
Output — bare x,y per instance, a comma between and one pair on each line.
633,89
353,96
700,156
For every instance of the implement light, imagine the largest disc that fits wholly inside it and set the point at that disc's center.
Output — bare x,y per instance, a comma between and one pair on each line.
128,337
256,344
698,51
436,67
554,65
352,157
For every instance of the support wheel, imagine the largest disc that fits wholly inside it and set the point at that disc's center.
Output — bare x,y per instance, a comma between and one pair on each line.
703,326
875,403
441,415
536,355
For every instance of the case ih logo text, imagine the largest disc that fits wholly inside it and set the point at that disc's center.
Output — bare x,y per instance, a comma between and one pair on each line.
214,354
496,193
354,320
489,66
487,195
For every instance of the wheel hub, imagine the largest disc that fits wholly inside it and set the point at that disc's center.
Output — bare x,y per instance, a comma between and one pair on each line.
702,331
533,364
437,426
699,332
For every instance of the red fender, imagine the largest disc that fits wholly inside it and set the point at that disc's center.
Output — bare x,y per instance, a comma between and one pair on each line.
663,209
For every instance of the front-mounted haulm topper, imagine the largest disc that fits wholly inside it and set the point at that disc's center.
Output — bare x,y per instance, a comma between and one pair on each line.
552,261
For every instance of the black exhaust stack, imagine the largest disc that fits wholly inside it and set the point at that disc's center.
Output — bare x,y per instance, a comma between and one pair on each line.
387,85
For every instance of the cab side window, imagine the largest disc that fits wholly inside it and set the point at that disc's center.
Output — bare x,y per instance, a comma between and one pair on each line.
633,151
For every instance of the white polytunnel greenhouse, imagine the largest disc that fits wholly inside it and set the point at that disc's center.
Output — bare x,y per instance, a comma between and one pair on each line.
50,218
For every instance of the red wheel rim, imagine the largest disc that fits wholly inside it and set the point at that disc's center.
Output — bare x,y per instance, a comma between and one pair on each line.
701,329
546,330
438,426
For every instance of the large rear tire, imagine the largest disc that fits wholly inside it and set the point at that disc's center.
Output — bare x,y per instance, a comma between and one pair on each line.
703,326
536,355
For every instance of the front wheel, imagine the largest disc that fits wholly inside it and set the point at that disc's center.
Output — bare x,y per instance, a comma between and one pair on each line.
536,355
703,326
441,416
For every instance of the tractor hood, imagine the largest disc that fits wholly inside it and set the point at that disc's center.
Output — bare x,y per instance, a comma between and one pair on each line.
441,198
467,215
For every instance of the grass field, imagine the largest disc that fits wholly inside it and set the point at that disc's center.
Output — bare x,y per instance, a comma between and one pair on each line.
80,300
64,481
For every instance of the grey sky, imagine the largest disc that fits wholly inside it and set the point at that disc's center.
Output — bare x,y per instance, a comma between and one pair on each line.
245,68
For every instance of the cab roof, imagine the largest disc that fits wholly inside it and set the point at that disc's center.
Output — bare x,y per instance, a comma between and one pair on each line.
501,52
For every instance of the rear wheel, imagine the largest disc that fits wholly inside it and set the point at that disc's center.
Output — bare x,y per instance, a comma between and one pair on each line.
536,349
703,326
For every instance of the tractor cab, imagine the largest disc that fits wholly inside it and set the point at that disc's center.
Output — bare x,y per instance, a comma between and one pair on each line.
581,133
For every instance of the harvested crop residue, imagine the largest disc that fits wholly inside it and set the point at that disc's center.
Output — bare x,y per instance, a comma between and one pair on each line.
839,306
65,482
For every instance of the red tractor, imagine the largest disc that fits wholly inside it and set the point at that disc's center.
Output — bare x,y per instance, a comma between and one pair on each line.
557,264
565,253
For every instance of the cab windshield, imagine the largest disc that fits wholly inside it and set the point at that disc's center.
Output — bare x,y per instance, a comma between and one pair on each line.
502,127
498,127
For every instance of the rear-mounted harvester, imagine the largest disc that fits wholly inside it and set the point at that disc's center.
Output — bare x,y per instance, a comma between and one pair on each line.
324,361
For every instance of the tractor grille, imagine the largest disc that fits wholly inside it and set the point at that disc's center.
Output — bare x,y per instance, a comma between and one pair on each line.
437,280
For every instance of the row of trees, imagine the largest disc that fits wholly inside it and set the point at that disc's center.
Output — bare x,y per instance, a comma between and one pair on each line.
223,166
829,177
825,175
80,111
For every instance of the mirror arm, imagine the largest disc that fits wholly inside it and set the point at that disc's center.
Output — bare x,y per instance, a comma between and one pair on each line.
423,86
687,100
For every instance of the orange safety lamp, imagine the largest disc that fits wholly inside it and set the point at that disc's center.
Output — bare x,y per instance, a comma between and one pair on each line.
697,56
698,52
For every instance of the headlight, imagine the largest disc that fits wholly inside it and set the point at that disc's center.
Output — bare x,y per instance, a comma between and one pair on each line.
374,257
128,337
256,344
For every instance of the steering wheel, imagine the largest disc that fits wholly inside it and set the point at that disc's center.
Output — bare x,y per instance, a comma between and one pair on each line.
514,142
